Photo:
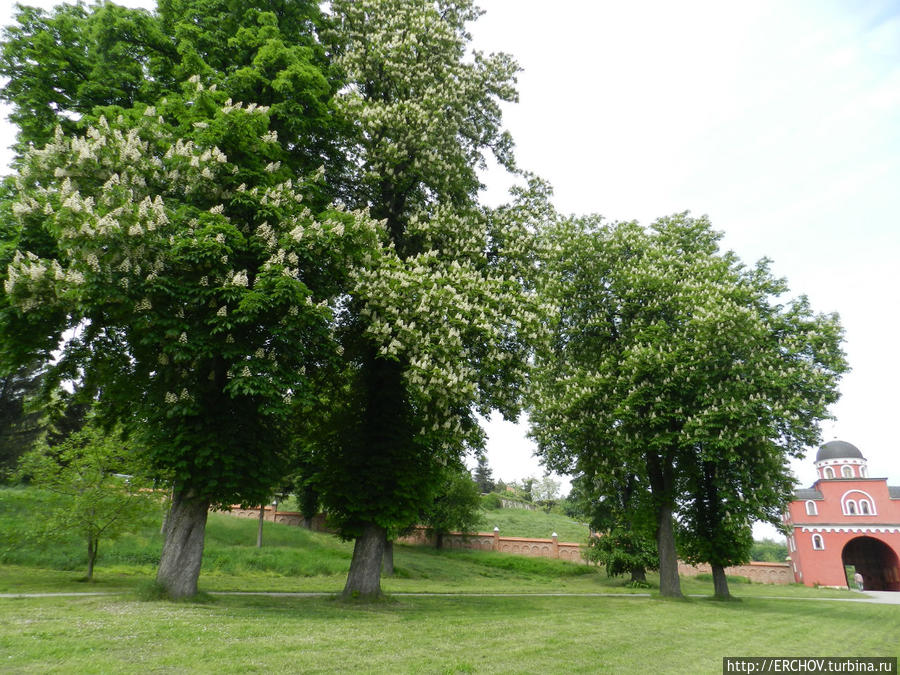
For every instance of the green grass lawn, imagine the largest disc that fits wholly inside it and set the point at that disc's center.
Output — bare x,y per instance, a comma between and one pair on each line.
515,523
239,633
429,635
523,523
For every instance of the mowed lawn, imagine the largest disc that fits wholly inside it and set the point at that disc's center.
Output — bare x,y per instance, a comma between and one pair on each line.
261,634
122,633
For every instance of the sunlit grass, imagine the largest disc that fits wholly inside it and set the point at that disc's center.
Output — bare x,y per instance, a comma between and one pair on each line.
489,630
293,559
430,635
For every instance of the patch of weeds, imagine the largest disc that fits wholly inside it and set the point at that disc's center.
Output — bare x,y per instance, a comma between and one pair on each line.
401,573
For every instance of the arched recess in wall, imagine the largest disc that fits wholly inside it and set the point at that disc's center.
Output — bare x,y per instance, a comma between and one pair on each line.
878,563
851,503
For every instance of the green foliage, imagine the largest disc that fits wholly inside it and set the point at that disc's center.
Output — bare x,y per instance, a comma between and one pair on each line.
63,64
456,505
546,492
66,64
482,475
623,551
230,550
20,425
699,379
199,287
439,328
491,502
93,498
768,550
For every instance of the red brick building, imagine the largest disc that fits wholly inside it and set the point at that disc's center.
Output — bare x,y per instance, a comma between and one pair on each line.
846,522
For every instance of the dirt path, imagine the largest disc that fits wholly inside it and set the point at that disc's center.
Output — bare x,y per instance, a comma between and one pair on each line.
874,597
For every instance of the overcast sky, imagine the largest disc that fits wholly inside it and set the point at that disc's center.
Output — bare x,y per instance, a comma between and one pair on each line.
780,120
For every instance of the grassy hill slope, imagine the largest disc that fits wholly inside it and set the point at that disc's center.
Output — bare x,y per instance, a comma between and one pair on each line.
524,523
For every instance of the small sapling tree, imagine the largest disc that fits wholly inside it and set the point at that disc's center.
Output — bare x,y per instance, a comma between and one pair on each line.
455,507
100,493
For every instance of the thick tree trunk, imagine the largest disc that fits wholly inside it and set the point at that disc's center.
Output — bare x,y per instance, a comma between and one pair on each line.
364,579
388,566
92,556
638,574
669,583
262,515
165,520
720,582
179,565
439,540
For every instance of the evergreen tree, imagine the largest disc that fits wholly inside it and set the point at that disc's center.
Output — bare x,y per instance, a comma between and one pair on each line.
20,426
483,475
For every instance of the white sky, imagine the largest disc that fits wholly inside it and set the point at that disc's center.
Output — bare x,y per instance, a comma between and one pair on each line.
781,121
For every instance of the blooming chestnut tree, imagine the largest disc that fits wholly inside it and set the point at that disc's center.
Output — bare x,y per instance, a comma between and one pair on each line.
441,326
197,288
674,367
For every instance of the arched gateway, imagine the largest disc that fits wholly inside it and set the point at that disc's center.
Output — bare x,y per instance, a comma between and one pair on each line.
875,560
846,519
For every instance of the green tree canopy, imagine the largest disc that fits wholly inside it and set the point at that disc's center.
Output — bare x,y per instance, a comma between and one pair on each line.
200,291
65,65
669,357
483,475
100,492
456,505
439,329
20,426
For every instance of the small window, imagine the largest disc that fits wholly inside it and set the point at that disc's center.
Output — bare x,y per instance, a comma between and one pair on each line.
851,507
862,472
846,472
829,472
811,508
818,543
864,508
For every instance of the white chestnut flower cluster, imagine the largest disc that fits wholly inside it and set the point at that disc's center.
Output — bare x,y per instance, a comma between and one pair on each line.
150,230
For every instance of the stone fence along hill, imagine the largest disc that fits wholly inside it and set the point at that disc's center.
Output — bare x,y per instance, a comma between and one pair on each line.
757,572
492,541
478,541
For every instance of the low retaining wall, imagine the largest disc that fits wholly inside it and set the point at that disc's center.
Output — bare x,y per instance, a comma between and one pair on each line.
757,572
317,523
492,541
513,504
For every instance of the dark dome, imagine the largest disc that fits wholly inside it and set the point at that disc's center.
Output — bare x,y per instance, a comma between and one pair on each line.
838,450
